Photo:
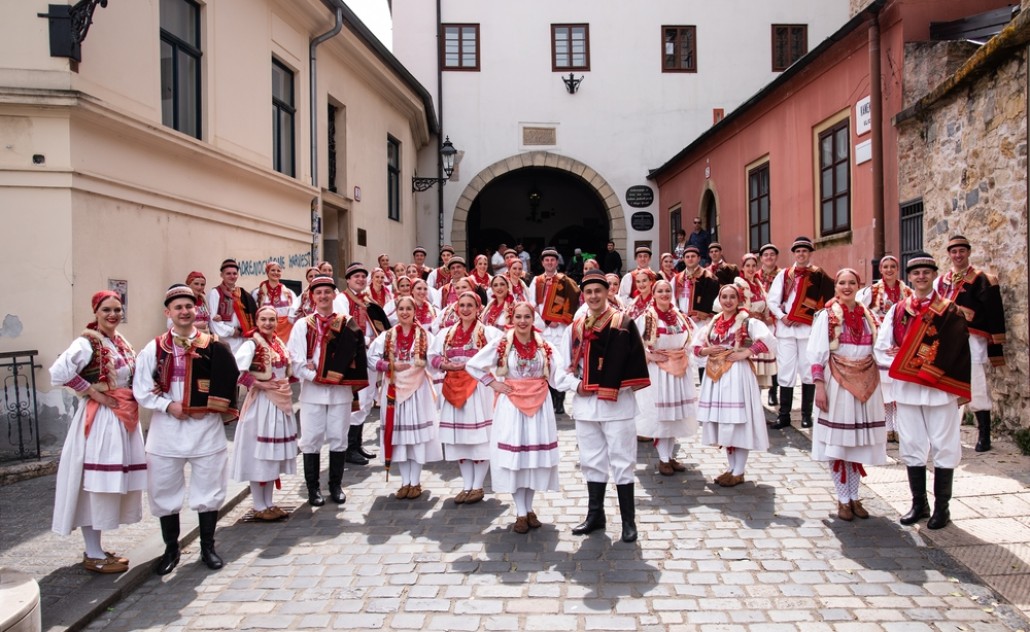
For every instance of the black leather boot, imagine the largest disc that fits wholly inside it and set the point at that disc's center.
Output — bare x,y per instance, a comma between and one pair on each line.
700,375
773,400
917,486
628,510
312,466
559,401
170,535
361,450
336,461
807,400
353,454
208,522
983,424
942,480
786,402
595,510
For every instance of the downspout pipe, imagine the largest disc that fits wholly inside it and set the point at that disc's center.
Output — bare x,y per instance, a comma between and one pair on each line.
441,238
313,82
876,115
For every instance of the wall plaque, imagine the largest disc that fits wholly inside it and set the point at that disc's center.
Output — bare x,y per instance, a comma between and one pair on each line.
639,196
642,220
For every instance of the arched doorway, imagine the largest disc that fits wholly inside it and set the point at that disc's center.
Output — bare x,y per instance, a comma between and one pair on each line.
710,214
537,207
557,178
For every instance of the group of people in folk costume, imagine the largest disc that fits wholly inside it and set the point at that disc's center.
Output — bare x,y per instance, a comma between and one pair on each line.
474,369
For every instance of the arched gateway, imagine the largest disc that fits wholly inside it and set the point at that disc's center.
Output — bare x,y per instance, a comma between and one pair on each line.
539,198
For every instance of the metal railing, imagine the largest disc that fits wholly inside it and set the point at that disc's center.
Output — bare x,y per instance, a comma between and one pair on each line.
18,407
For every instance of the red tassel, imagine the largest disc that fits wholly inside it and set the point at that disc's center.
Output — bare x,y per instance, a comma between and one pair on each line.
838,466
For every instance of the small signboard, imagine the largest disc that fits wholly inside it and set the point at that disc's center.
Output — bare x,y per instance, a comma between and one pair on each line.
642,220
639,196
863,116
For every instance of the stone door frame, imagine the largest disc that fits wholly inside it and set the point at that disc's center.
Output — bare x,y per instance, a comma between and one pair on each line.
546,159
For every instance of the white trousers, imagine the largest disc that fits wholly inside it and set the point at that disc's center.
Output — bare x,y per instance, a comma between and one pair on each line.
792,362
980,395
323,423
166,482
607,447
929,431
366,399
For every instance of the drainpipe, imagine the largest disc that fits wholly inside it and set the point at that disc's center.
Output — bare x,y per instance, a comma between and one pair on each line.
441,238
876,112
313,82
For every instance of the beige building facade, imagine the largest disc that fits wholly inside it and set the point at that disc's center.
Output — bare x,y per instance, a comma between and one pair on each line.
182,137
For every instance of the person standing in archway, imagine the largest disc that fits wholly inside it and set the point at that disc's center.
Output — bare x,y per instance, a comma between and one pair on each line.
628,287
497,263
612,263
700,239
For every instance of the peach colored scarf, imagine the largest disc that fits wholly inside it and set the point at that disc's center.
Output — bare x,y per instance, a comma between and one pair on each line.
858,377
676,362
528,394
458,386
281,397
127,411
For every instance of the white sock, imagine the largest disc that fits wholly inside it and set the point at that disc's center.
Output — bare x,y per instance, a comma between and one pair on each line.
665,448
740,460
530,493
257,494
854,482
416,472
404,467
520,502
92,539
480,469
269,490
731,458
467,474
890,409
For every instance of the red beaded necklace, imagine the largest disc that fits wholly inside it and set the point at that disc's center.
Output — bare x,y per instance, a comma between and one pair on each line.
525,351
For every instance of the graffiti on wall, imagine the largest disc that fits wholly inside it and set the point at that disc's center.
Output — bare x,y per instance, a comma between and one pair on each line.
256,267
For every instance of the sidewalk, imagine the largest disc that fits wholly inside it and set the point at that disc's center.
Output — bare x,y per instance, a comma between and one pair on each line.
769,554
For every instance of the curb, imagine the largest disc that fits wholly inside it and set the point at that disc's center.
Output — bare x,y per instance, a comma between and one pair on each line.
102,591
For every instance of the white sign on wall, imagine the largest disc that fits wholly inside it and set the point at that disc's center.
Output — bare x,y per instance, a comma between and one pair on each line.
863,116
864,152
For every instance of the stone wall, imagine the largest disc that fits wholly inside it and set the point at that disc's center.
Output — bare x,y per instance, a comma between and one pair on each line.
967,159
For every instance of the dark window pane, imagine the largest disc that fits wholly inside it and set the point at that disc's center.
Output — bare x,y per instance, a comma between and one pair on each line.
179,18
189,70
841,178
167,85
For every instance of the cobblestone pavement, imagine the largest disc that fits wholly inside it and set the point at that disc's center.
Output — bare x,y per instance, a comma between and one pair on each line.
767,555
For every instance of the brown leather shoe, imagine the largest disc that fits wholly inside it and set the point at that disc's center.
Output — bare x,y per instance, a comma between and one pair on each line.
665,468
104,565
892,437
111,555
415,491
677,466
279,510
267,515
858,510
721,479
732,481
521,525
844,512
474,496
533,521
462,496
403,492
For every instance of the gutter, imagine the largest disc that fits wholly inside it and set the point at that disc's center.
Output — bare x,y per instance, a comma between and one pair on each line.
851,25
313,81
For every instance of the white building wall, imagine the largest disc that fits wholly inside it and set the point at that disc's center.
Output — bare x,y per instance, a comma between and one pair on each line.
628,115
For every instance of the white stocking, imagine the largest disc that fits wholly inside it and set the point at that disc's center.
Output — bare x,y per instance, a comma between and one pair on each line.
257,494
269,491
416,472
665,448
891,410
740,460
529,498
93,548
467,472
839,471
480,469
731,458
404,467
520,501
854,482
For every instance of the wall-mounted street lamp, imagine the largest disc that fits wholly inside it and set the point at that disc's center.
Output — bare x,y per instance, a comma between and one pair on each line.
571,83
447,153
